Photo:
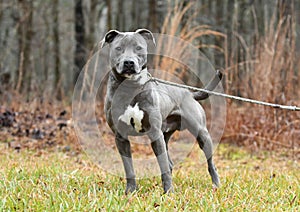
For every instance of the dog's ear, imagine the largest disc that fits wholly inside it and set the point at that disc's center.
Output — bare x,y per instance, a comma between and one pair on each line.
147,34
108,38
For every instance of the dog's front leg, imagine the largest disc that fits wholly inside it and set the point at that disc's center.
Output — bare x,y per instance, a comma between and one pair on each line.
160,150
124,149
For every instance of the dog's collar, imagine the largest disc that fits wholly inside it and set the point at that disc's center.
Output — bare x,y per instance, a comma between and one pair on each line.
115,76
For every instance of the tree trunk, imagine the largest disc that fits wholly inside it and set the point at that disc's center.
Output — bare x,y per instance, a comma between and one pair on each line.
286,13
57,74
152,20
134,13
120,16
109,21
25,36
90,41
80,54
219,61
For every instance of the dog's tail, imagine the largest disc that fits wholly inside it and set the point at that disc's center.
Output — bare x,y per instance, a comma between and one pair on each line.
200,95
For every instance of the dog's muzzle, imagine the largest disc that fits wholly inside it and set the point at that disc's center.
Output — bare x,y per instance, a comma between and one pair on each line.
128,67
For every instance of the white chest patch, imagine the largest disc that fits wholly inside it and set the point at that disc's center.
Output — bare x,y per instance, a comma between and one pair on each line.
133,116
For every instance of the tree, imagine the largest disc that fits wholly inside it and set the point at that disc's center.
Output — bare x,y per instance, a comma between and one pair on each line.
57,74
152,20
80,54
25,33
109,21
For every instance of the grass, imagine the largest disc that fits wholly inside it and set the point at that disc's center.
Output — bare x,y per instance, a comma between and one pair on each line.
55,181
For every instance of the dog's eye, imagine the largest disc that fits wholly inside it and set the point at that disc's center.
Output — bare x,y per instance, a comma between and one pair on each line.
118,48
138,48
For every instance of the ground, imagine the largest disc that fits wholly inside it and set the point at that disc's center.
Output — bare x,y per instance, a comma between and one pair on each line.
60,180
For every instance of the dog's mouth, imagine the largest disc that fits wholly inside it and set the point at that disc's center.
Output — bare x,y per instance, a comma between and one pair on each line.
128,72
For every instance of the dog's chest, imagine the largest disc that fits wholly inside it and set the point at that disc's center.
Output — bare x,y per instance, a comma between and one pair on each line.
125,109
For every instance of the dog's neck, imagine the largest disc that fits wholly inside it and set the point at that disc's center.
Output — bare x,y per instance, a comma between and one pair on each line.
139,79
115,76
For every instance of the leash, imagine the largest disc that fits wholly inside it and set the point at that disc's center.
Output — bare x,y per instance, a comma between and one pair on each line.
253,101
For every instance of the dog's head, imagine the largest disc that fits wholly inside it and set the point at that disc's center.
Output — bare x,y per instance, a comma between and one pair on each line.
128,51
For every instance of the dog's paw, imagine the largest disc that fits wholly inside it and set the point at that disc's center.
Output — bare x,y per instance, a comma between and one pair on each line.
130,189
169,190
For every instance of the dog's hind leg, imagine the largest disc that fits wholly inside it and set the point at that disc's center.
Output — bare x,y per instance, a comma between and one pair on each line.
124,149
195,122
205,143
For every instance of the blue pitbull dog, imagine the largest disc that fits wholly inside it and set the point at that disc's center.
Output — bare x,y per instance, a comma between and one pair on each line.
136,105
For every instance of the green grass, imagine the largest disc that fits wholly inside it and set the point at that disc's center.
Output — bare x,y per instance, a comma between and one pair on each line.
43,181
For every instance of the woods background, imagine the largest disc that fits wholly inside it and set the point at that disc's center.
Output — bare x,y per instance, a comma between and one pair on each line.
44,45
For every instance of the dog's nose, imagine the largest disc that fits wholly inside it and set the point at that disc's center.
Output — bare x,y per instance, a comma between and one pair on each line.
129,64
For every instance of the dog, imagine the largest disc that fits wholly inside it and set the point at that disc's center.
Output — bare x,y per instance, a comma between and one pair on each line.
136,105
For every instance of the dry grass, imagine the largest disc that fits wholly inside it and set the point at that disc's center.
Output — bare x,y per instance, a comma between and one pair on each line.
271,78
180,22
267,73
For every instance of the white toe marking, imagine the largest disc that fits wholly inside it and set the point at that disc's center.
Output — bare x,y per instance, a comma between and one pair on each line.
133,113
